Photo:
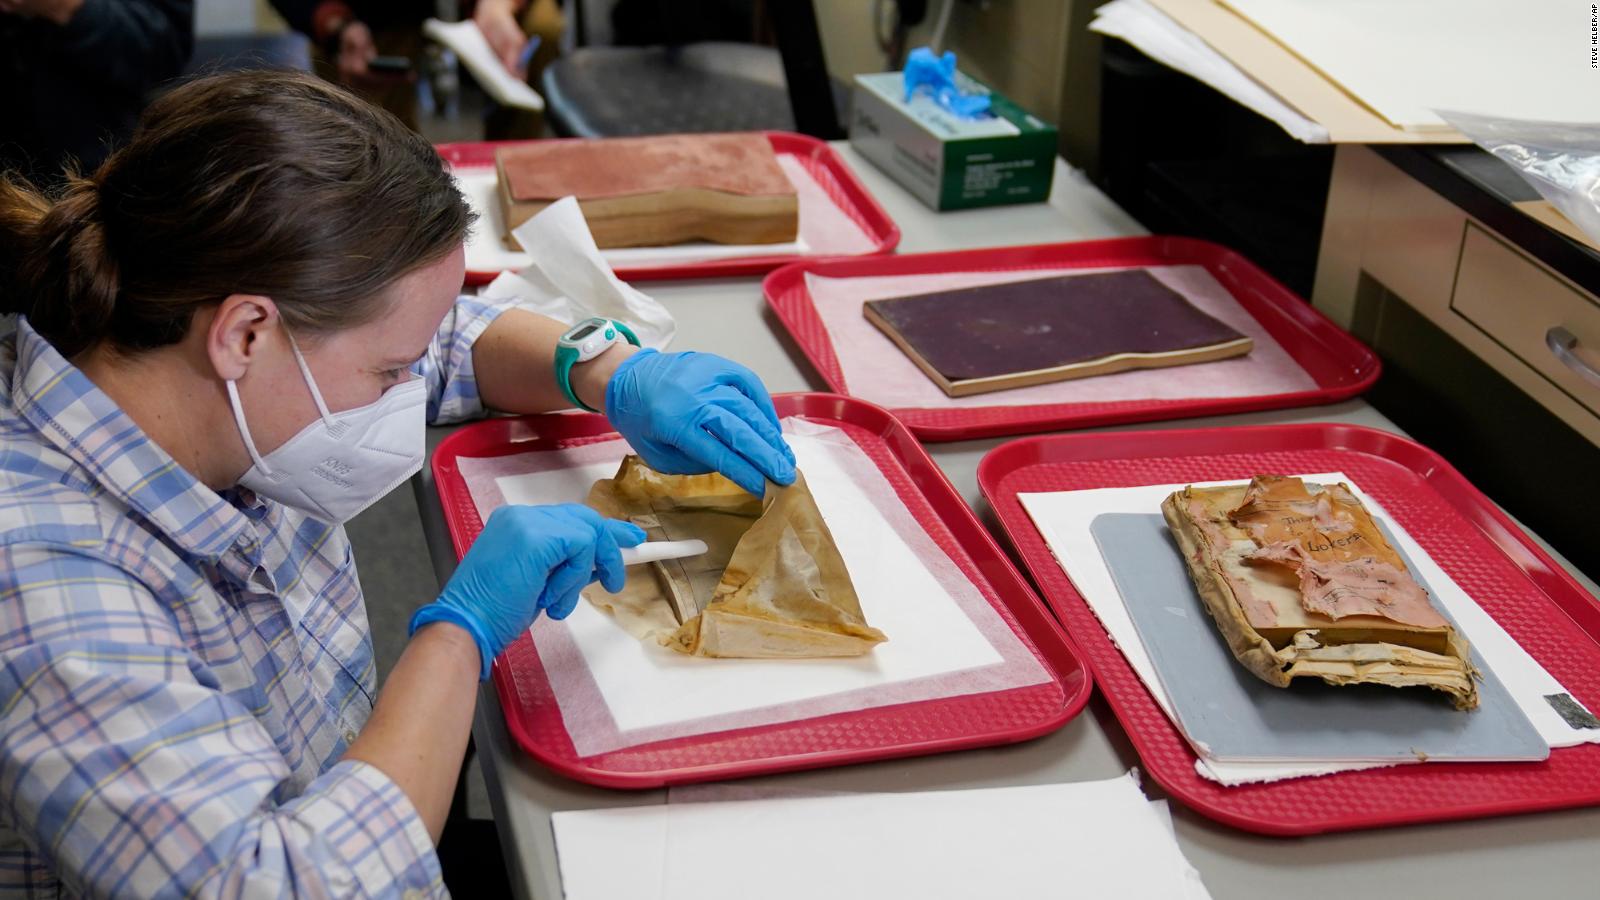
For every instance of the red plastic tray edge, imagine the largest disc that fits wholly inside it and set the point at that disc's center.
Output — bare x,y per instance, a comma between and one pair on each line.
1552,580
871,216
1308,324
510,435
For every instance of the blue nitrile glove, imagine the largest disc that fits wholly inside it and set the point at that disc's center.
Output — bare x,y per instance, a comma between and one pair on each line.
527,559
938,75
691,413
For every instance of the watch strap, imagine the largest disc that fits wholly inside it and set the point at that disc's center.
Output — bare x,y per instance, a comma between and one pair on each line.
567,357
627,333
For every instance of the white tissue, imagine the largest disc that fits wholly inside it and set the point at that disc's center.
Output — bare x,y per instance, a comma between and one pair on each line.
569,281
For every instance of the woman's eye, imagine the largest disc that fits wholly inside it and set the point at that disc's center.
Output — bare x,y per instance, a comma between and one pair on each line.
395,374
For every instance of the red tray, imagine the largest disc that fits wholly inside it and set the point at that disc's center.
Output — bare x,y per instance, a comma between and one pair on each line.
1341,365
830,171
902,730
1537,602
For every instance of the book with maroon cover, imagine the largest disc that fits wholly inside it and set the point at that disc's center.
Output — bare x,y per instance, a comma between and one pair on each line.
654,191
1020,333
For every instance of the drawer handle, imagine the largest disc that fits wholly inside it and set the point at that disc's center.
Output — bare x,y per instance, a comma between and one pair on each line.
1564,345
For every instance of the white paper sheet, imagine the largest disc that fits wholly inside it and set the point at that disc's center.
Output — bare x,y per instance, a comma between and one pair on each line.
1162,39
1064,517
606,854
1406,58
824,229
945,639
567,279
474,52
1091,839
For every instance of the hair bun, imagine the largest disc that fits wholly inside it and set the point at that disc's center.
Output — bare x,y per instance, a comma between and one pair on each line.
73,273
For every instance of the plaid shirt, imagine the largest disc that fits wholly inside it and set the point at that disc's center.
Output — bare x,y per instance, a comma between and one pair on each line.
180,670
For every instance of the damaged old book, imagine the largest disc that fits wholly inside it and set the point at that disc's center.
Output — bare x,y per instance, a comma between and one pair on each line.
771,584
654,191
1302,583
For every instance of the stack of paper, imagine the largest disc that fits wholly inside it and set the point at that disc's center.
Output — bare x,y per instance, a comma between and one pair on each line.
1405,59
1094,839
1171,44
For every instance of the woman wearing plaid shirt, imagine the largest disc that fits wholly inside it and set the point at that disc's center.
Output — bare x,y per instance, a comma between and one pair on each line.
229,338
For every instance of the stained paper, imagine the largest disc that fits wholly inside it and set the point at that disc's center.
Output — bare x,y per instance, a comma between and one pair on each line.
771,584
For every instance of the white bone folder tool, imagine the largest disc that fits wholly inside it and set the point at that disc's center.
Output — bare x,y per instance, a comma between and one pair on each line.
655,551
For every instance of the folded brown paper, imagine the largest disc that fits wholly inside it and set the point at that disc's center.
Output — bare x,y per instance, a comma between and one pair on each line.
771,584
1301,582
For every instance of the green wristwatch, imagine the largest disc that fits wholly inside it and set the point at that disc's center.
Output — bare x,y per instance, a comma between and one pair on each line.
583,342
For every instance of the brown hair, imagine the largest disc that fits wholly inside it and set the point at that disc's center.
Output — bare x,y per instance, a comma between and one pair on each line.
263,182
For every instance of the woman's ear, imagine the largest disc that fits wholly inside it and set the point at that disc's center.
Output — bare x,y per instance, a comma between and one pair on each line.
233,339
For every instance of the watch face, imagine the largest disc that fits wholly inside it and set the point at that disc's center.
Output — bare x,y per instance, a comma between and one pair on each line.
583,332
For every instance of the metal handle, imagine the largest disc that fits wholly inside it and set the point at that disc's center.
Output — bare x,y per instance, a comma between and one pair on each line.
1564,345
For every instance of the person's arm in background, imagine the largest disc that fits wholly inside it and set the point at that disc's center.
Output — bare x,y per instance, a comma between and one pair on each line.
321,20
497,19
315,19
344,40
127,45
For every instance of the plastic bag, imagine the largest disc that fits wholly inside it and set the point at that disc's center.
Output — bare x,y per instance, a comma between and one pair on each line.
1560,159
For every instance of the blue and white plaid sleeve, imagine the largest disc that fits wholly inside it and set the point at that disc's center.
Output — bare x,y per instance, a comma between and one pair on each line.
136,776
447,366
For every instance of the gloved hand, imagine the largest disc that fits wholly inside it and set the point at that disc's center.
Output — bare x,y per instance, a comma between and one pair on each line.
527,559
691,413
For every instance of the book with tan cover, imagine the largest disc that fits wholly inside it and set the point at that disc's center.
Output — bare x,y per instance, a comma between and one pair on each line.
654,191
1302,584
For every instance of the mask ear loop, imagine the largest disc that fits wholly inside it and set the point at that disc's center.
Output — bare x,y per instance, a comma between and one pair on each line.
244,430
237,406
311,382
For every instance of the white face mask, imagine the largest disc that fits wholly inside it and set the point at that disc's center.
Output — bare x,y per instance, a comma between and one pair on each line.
343,463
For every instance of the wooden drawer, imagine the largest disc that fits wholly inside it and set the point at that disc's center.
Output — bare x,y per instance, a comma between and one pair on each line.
1518,304
1413,241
